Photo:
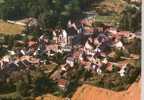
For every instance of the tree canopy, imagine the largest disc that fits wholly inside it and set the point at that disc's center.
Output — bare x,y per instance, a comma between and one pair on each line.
131,18
49,12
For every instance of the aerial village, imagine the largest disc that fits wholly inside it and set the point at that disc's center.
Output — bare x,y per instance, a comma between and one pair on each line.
67,57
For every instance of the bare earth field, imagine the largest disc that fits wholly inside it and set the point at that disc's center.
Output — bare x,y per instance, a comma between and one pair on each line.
88,92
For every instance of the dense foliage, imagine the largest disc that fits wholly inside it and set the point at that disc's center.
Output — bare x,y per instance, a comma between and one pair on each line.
131,18
49,12
112,80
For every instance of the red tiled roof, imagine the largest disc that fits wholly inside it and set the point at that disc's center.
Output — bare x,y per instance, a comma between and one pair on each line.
76,54
109,66
31,43
89,30
62,82
123,33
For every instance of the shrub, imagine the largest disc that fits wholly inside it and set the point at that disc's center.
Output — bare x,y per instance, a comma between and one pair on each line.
112,80
118,54
59,58
125,41
135,46
115,68
131,73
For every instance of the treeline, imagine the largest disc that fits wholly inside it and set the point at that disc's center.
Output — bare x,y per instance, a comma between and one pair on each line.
49,12
130,18
52,13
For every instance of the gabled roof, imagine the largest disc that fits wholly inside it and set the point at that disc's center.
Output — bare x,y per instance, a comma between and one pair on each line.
62,82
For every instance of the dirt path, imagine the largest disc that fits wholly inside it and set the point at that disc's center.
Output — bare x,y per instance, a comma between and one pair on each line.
88,92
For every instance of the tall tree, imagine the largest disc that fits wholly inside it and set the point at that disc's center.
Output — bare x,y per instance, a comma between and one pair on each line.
50,13
131,18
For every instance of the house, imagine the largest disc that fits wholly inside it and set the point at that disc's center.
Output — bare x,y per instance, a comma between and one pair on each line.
63,68
87,22
56,75
119,45
55,37
67,48
124,33
90,14
89,45
99,71
122,71
60,50
70,61
102,37
31,43
112,31
135,1
72,31
138,34
96,42
65,37
72,25
11,52
1,64
23,52
61,37
88,29
96,67
109,66
2,40
6,58
131,36
91,59
104,61
62,83
81,57
31,21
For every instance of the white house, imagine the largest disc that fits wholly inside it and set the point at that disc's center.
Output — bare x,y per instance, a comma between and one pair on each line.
6,58
65,36
70,61
122,71
119,45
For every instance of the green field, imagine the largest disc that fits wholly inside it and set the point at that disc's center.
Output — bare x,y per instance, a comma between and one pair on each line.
10,29
1,1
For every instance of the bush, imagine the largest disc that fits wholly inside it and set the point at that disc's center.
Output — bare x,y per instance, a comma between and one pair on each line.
115,69
59,58
112,80
135,46
9,40
125,41
118,54
131,73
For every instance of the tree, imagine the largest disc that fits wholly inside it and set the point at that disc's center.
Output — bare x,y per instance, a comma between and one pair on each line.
50,13
13,9
131,18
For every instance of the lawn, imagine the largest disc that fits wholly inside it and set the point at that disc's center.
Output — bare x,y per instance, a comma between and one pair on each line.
8,95
10,29
104,19
1,1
